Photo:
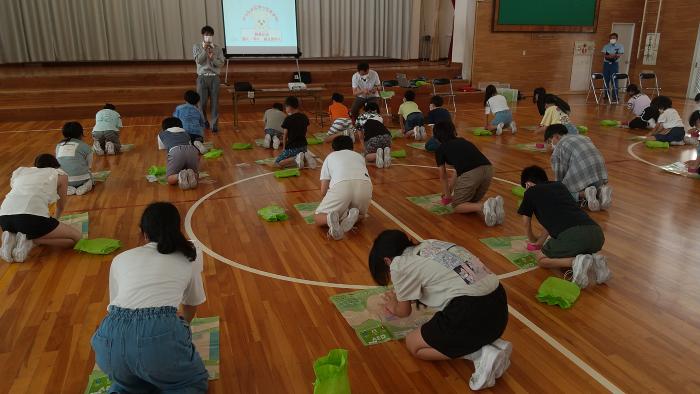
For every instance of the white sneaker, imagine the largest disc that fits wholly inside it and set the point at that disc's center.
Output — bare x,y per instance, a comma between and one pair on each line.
500,212
276,142
600,265
499,129
22,248
581,266
423,133
513,127
84,188
97,148
677,143
70,191
592,199
299,159
507,348
379,159
651,123
182,180
109,148
416,133
387,157
267,141
9,240
200,146
605,197
484,375
689,140
490,212
310,160
334,230
349,222
191,178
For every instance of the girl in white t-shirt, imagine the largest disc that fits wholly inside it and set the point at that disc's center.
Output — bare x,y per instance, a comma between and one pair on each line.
497,105
637,105
473,307
142,344
345,187
669,127
24,214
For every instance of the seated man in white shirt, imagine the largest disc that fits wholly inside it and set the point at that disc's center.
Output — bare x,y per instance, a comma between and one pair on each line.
345,187
365,87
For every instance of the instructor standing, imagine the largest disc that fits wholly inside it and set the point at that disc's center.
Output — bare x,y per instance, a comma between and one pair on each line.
612,52
209,58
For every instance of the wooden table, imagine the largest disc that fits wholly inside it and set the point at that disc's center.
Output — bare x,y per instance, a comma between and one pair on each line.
279,93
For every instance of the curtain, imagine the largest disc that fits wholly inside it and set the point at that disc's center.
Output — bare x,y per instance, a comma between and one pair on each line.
103,30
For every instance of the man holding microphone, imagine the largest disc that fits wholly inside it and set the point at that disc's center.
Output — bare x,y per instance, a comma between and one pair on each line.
209,58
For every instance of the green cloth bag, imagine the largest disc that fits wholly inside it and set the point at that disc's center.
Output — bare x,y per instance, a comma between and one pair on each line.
582,129
332,373
518,191
241,146
156,170
557,291
398,154
481,132
98,245
214,154
387,94
289,172
656,144
609,123
313,141
273,213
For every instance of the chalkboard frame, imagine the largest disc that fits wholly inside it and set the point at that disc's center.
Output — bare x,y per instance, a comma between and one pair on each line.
497,27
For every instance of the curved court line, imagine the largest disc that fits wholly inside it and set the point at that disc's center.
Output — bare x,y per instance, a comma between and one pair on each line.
634,155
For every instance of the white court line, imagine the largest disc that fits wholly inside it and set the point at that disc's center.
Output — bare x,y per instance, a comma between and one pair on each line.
527,322
634,155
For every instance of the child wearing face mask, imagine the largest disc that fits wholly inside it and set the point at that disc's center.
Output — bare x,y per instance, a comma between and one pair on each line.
669,127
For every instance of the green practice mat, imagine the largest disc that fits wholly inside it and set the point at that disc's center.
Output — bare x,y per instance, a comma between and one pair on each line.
272,213
514,249
398,154
79,221
432,203
97,245
214,154
307,210
241,146
657,145
205,336
287,173
417,145
313,141
270,161
364,312
100,176
557,291
481,132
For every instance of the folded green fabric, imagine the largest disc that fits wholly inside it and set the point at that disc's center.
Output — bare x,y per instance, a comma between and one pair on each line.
609,122
556,291
420,83
313,141
214,154
156,170
289,172
387,94
332,373
656,144
272,213
98,245
241,146
397,154
582,129
481,132
518,191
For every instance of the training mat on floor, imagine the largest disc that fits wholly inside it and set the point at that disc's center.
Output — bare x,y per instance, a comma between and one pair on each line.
417,145
270,161
512,248
531,147
432,203
205,336
100,176
307,210
364,312
78,221
679,168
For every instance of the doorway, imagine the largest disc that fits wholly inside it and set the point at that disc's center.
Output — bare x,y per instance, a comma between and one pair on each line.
625,36
694,82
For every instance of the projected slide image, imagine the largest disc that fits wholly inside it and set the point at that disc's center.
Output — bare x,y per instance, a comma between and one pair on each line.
256,27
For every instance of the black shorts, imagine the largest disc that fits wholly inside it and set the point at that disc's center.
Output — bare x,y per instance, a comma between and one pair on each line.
467,324
33,226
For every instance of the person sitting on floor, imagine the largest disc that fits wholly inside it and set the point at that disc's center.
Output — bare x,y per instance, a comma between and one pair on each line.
669,127
637,105
294,145
105,134
578,164
571,239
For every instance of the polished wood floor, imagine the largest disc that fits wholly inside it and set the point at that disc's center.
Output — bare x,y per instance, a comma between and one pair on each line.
640,332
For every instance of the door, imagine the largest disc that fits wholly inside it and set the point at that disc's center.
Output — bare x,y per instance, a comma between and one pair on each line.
625,36
694,83
581,66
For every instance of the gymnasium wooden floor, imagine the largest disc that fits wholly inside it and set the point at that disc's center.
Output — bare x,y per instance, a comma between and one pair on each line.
638,333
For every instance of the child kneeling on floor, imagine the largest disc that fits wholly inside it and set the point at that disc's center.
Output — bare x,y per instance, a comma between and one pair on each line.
412,117
143,344
346,189
571,238
467,186
75,157
192,119
341,124
273,118
182,167
669,127
377,143
294,145
497,105
436,115
105,134
472,304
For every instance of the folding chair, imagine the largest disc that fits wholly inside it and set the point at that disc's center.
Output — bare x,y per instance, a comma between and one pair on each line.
386,95
445,93
649,75
592,88
621,86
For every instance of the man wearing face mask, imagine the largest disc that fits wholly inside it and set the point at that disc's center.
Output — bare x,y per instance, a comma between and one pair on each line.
209,58
612,52
365,87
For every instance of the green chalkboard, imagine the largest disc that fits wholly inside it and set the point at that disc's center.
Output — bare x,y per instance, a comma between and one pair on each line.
545,15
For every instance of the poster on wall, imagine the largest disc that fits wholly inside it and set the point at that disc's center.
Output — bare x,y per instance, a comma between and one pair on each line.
651,48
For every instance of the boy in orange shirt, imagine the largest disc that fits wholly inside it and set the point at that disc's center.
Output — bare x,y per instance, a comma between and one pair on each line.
340,119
